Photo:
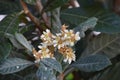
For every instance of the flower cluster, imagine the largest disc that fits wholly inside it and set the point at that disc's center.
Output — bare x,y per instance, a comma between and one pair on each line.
62,42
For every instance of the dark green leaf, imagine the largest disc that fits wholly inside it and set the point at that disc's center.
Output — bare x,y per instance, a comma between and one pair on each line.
9,24
32,2
92,63
80,46
85,3
14,41
30,77
89,24
18,54
13,65
7,7
11,77
52,4
55,21
52,63
45,73
5,49
112,73
104,44
108,22
20,38
72,17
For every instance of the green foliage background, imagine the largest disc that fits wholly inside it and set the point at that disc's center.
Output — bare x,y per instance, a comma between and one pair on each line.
97,56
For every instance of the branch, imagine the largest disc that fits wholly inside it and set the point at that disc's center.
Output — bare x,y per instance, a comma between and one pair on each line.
65,73
44,15
29,14
60,77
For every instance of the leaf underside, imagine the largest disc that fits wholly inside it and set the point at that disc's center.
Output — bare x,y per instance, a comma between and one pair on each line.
92,63
52,63
13,65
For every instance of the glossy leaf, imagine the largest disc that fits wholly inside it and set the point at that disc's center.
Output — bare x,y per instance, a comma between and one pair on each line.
92,63
104,44
5,49
108,22
7,7
52,63
20,38
9,24
13,65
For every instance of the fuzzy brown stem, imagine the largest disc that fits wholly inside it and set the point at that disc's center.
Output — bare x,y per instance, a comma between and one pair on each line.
29,14
60,77
44,15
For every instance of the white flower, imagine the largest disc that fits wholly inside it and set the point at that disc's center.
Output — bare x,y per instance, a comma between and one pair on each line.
46,55
62,41
70,37
69,57
59,41
37,61
68,54
44,51
64,27
46,35
77,37
43,48
73,39
36,55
